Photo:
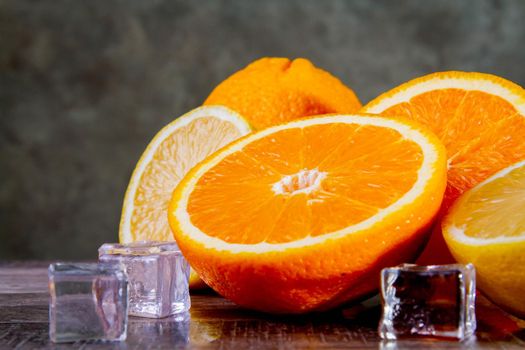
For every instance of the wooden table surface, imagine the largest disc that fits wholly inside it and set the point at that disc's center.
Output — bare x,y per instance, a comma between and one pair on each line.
215,323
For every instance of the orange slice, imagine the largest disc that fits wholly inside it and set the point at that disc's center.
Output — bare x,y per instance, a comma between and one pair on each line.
486,227
302,216
169,156
478,117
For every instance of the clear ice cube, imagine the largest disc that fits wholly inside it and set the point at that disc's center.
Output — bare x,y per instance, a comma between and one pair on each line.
428,301
158,276
88,301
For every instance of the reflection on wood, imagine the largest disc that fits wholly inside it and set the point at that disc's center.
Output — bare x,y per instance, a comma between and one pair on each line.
214,322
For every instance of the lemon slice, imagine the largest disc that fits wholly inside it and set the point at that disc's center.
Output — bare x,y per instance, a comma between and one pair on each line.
177,148
486,226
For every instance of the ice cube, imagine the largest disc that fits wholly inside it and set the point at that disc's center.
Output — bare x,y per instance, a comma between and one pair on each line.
429,301
88,301
158,276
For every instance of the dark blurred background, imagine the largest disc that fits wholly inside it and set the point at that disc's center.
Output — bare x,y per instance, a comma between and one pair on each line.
84,85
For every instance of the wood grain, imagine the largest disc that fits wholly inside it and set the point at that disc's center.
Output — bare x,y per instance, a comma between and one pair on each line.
215,323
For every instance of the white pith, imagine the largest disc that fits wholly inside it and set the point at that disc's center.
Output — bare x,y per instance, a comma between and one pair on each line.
218,112
430,157
459,232
308,181
479,84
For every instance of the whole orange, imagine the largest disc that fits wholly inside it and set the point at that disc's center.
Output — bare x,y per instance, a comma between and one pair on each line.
271,91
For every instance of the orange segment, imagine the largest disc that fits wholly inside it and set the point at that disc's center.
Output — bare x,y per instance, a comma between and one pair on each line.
480,119
271,91
302,216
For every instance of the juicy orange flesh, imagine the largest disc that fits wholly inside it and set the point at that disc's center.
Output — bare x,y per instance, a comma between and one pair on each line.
482,132
175,156
302,182
495,209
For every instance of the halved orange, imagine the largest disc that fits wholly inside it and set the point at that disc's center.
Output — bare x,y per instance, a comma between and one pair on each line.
302,216
480,118
169,156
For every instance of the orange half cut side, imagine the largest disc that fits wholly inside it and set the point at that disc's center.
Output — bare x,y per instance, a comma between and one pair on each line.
285,206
